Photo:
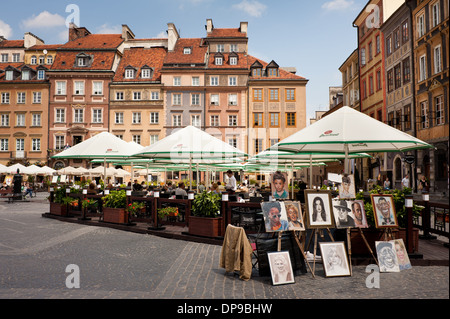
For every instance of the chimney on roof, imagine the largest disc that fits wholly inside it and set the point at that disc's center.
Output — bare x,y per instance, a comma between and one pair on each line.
127,34
209,26
243,27
172,36
77,32
30,39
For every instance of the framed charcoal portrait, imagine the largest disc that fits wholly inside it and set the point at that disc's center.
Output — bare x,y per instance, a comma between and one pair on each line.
347,187
280,268
294,215
334,259
275,218
384,210
319,209
387,258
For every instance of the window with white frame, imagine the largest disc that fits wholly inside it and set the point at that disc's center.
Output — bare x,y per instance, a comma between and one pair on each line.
118,118
4,144
154,95
137,139
136,118
232,120
195,120
9,75
60,88
25,75
4,120
195,99
97,116
146,73
37,97
214,99
78,115
41,59
49,59
176,99
120,136
154,138
233,60
36,144
4,57
420,25
16,57
187,50
232,99
137,96
437,59
5,97
59,142
33,59
220,48
82,61
195,81
60,115
78,88
97,88
20,119
233,47
424,114
214,120
422,68
232,81
435,18
176,120
214,80
119,96
176,80
41,75
36,119
233,141
154,117
439,109
129,73
20,144
218,60
21,97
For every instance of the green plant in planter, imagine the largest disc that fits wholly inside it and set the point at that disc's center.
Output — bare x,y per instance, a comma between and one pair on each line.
115,199
167,211
89,203
135,208
60,196
206,205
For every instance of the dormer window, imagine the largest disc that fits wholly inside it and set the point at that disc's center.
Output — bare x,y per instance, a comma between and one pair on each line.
82,60
233,58
256,72
129,73
146,72
187,50
256,68
41,75
25,74
9,75
218,60
272,69
272,72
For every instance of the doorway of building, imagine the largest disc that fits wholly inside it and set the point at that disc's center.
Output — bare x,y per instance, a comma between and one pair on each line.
76,139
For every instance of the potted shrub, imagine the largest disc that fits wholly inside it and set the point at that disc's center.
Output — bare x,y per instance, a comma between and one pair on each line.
162,213
89,205
204,220
136,208
114,207
60,202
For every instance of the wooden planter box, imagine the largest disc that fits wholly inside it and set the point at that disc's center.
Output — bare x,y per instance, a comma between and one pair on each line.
372,235
58,209
205,226
115,215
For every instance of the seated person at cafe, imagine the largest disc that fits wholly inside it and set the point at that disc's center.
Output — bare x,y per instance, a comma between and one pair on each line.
92,189
180,190
215,188
136,186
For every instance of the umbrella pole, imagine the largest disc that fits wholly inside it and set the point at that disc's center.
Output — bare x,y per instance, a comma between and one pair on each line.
104,171
346,159
190,172
197,177
310,171
292,179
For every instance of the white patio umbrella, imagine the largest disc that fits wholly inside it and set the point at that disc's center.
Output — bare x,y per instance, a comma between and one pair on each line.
68,170
191,145
45,170
13,169
349,131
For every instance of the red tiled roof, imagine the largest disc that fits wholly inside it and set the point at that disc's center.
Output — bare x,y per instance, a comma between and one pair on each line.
283,75
66,60
242,62
139,57
197,55
12,44
95,41
45,47
226,33
18,66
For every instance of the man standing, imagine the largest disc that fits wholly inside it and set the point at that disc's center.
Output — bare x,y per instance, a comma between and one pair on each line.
231,184
405,181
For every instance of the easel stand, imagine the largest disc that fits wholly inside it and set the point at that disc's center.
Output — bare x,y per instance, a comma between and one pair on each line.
317,231
368,246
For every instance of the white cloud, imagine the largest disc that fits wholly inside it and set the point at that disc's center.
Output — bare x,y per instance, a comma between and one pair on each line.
43,20
161,35
109,29
252,7
337,5
5,30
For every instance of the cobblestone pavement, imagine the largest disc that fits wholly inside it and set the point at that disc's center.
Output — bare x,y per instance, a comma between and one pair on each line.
35,252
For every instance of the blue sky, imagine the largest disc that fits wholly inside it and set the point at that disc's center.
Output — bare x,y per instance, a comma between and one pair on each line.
315,37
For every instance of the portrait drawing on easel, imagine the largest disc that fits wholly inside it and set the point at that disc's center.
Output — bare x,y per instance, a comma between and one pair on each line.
347,187
334,258
294,215
319,209
384,210
280,268
275,218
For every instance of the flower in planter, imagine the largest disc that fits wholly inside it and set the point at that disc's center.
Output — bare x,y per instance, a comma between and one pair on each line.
135,208
167,211
89,203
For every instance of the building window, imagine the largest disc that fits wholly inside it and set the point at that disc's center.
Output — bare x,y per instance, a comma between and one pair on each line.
60,88
437,59
218,60
25,75
36,144
257,119
258,145
378,79
371,91
20,144
154,117
78,88
136,118
273,95
36,120
4,120
195,81
290,95
60,115
195,120
176,99
257,95
176,81
233,48
187,50
214,81
421,25
364,89
59,142
33,60
4,144
146,73
129,73
154,138
136,139
20,120
78,115
406,71
49,59
137,96
214,120
37,97
397,76
97,88
274,119
195,99
389,45
233,60
232,120
16,57
422,68
232,99
439,109
435,18
5,97
220,48
82,61
9,75
119,96
407,117
232,81
405,32
21,97
424,114
118,118
214,99
273,72
290,119
273,141
41,75
97,116
232,141
396,39
41,60
176,120
370,50
256,72
154,95
363,56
